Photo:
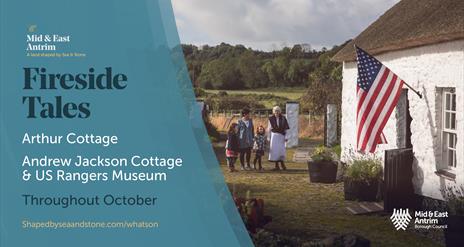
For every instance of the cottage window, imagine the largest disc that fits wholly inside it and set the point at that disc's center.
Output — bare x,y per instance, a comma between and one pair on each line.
449,133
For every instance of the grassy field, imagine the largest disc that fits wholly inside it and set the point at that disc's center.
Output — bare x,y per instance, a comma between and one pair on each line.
290,93
313,211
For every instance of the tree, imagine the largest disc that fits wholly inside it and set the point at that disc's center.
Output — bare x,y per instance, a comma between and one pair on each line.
297,51
220,74
272,73
250,71
237,67
325,86
297,72
320,93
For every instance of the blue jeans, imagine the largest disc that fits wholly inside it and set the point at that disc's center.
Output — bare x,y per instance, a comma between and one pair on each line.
245,153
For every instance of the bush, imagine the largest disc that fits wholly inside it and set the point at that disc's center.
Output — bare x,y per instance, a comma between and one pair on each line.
213,133
267,96
455,200
323,153
366,170
337,150
222,93
199,92
232,103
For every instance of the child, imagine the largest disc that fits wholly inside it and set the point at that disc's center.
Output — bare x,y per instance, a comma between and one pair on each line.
259,145
232,146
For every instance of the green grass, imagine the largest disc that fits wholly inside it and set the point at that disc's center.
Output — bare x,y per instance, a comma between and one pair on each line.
313,211
290,93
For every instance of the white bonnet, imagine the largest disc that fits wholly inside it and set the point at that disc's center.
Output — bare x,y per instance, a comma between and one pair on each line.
276,108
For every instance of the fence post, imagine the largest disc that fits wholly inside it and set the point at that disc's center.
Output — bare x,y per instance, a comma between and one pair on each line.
331,125
292,114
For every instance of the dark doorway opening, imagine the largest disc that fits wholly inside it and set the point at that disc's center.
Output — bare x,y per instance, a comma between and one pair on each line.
399,190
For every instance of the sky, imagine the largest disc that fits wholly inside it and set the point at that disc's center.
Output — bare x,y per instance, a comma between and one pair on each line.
272,24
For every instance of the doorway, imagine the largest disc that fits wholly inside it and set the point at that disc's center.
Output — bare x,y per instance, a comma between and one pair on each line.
399,191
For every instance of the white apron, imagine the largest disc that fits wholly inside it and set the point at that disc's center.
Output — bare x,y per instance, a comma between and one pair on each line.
277,147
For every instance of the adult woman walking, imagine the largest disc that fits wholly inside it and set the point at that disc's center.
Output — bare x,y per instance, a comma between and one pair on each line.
277,129
246,134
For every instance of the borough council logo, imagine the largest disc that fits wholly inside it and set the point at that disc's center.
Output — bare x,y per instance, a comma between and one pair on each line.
400,218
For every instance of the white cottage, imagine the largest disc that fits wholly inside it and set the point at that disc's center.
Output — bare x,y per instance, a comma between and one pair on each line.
422,41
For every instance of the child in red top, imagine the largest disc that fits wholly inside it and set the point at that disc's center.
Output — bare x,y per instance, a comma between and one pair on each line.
232,147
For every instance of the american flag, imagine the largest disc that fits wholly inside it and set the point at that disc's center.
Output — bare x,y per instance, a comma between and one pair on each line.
378,91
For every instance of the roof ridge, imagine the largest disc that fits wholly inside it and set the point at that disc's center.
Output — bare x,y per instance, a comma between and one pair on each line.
398,28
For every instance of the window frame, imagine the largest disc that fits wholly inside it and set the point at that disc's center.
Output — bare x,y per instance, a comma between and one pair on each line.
447,133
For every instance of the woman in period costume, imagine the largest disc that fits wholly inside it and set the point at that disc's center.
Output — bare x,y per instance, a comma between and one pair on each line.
246,134
277,129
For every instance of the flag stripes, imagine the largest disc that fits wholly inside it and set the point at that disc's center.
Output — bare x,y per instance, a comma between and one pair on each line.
378,91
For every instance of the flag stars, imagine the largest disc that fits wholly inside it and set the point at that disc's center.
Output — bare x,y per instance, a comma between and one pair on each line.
368,68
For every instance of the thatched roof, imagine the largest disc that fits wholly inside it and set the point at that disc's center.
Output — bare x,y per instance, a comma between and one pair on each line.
410,23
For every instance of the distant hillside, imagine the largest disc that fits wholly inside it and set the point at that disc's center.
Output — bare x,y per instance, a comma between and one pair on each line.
229,67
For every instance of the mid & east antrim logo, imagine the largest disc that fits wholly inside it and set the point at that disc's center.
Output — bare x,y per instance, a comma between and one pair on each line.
400,218
423,219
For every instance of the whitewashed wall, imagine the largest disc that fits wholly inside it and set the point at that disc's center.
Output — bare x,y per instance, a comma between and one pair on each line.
425,68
